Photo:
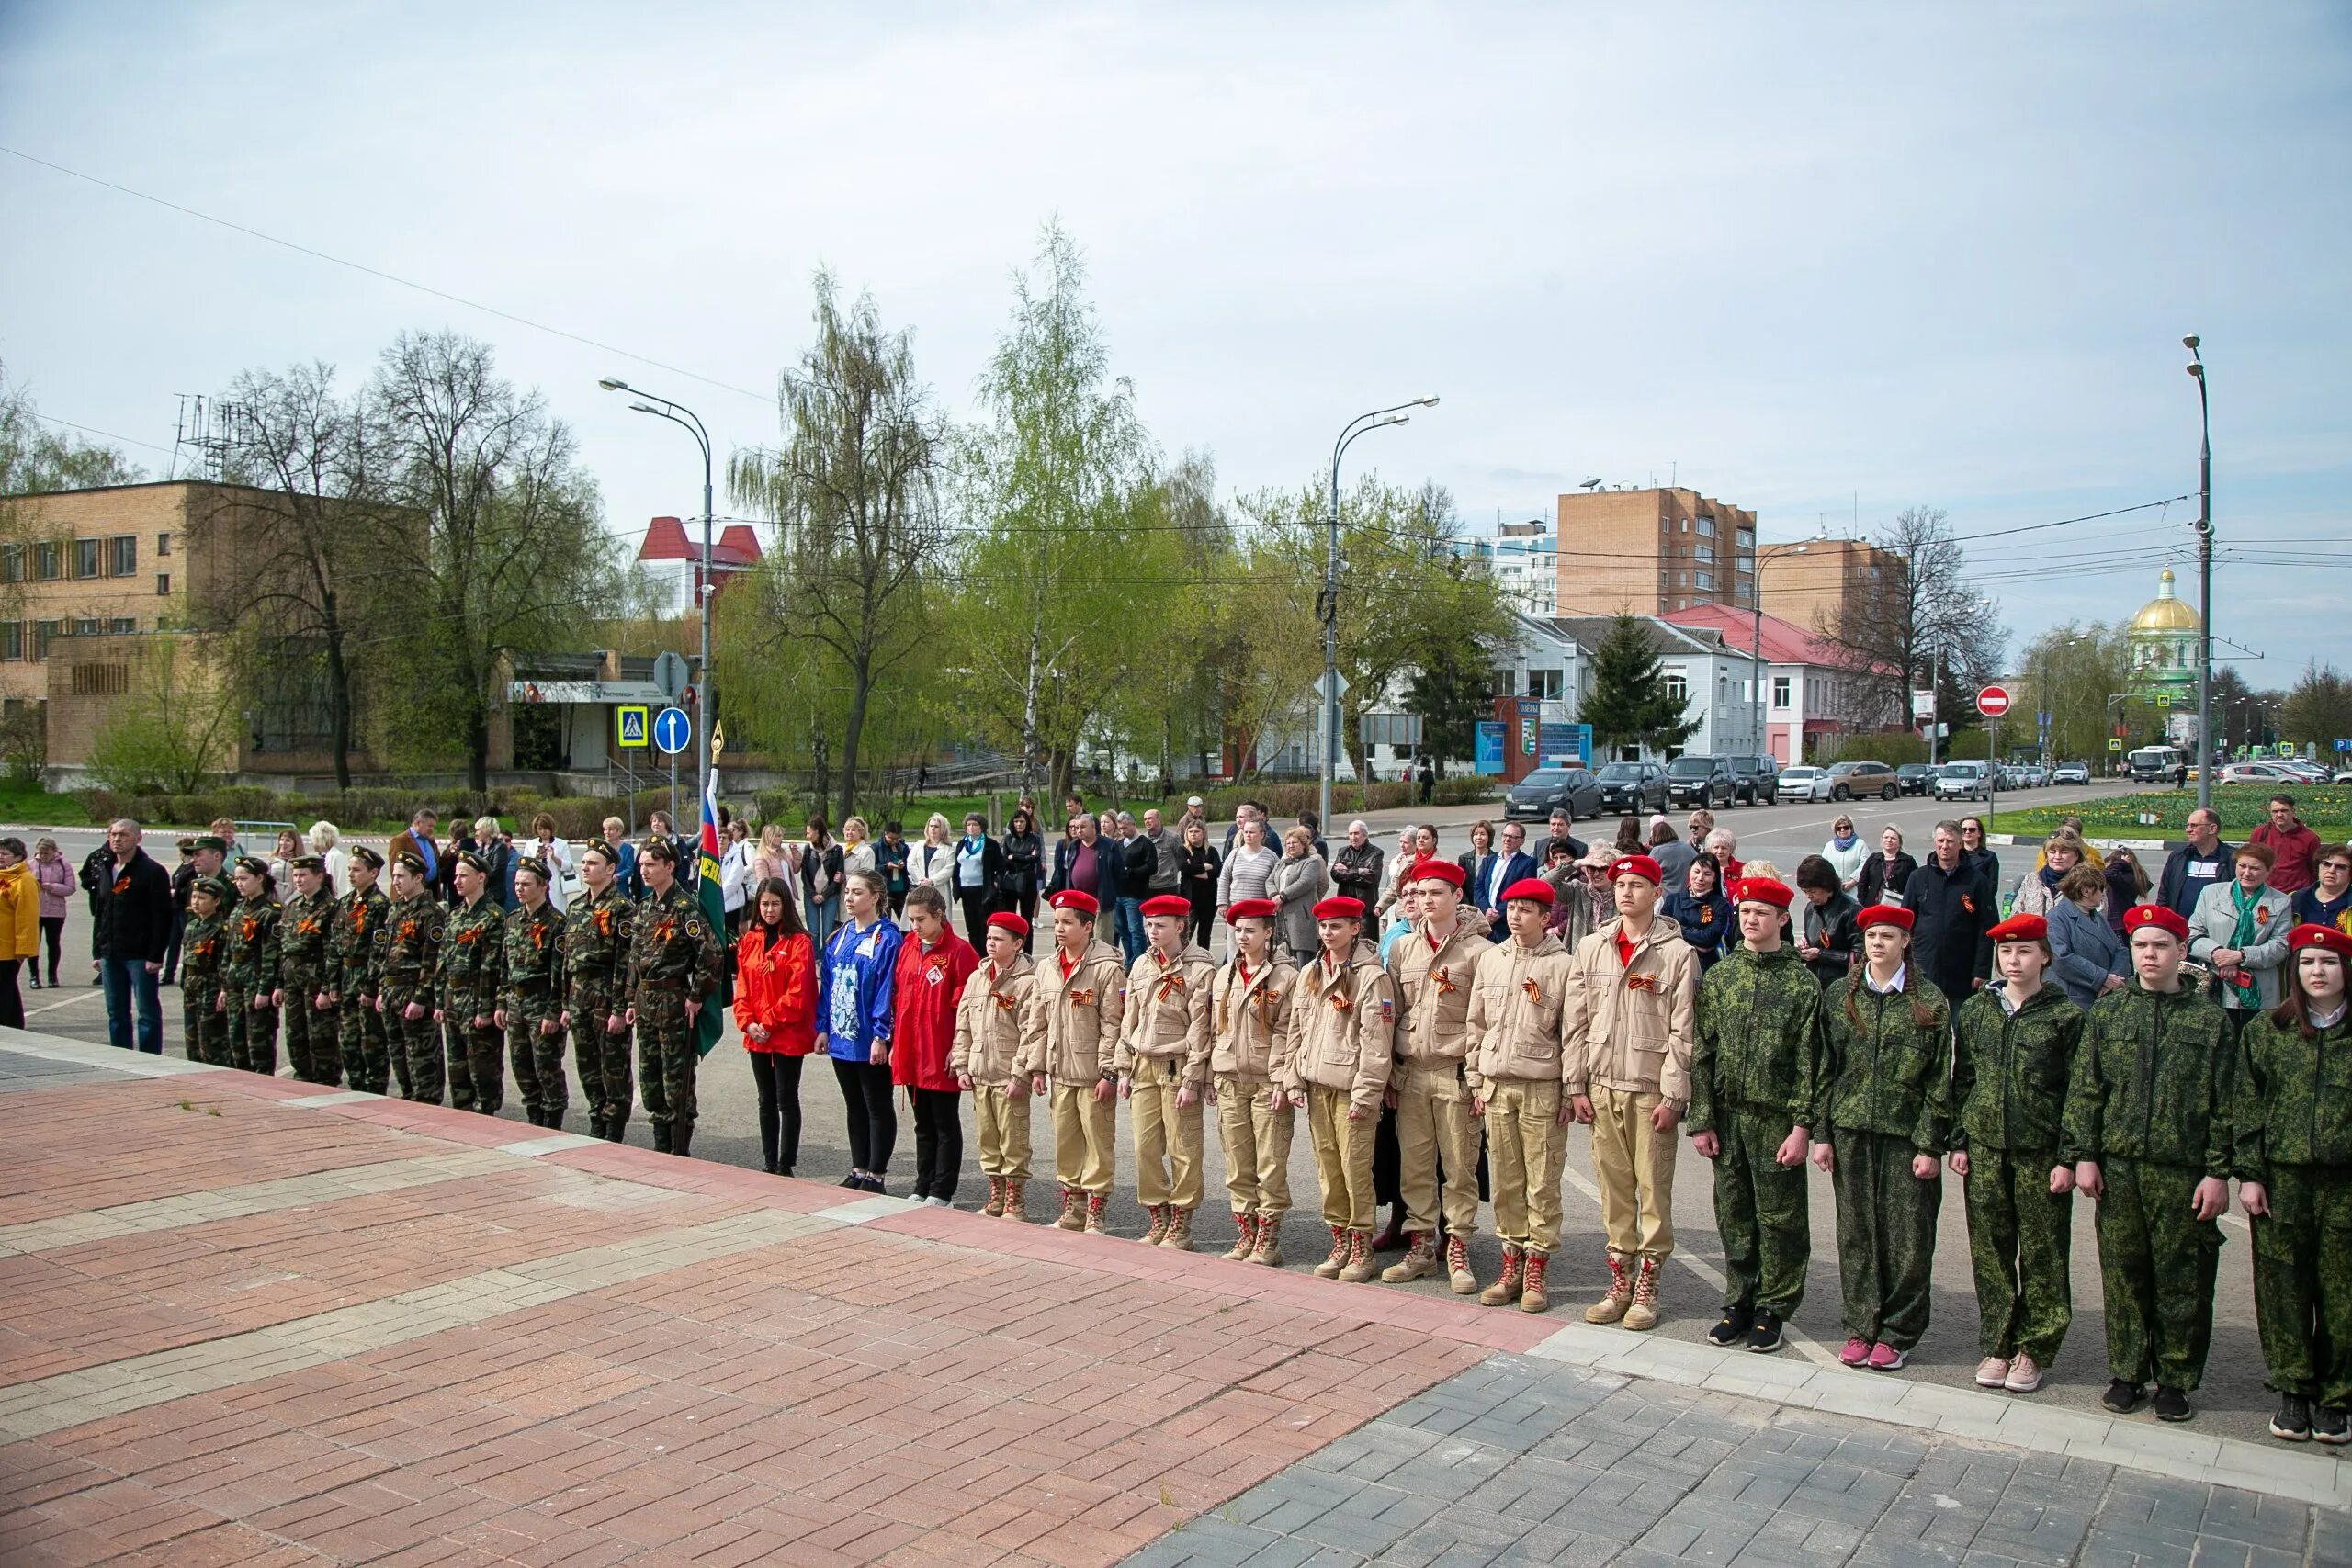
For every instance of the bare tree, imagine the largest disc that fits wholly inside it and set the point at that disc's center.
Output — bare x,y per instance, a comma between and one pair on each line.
1925,612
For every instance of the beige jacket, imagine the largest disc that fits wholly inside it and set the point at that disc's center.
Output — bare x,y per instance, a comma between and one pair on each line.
1628,1025
1433,984
1518,1002
1252,1024
1167,1015
999,1028
1079,1013
1344,1027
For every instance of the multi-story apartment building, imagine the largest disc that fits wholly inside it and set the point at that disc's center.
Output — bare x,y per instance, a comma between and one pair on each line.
1652,551
92,563
1816,583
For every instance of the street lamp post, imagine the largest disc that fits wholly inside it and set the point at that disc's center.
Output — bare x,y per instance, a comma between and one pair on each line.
685,417
2204,577
1375,420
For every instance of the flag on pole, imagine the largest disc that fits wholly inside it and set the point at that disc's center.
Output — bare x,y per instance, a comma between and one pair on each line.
712,1021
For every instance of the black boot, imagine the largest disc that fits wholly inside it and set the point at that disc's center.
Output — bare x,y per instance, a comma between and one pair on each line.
682,1139
662,1137
614,1132
595,1126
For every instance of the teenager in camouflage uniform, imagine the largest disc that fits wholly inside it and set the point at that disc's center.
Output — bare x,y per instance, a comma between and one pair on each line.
2014,1048
674,962
1253,1081
598,929
202,946
530,1002
2292,1133
1519,1026
305,924
2147,1126
409,978
1755,1078
1879,1132
474,962
1163,1065
353,954
249,970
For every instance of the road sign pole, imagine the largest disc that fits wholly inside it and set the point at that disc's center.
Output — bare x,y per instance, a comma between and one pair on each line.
673,792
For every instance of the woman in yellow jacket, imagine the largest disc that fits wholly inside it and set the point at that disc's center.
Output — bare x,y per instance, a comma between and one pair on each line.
19,927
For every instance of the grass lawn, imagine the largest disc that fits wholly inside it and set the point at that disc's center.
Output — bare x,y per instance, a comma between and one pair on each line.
2327,809
30,803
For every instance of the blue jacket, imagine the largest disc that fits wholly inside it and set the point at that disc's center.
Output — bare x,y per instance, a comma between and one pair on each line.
1705,922
2084,951
854,988
1107,859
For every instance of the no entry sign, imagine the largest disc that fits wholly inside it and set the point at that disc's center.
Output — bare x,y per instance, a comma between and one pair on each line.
1992,702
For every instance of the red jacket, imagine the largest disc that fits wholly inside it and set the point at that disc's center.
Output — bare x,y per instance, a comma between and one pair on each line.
777,988
923,996
2298,851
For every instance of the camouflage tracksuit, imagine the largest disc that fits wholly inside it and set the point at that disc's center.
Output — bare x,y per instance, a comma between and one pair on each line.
2149,1100
673,958
2291,1130
355,954
409,975
249,969
473,961
1755,1074
304,925
2009,1085
533,996
202,947
597,935
1886,1062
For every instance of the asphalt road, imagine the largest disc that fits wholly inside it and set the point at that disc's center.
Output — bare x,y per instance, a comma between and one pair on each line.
2233,1401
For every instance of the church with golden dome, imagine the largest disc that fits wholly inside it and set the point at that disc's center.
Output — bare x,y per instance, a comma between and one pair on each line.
2163,641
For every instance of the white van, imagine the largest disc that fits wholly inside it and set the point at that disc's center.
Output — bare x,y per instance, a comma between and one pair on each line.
1968,780
2154,764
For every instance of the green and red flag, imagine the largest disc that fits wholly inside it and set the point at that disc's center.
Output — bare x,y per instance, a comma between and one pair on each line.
712,1021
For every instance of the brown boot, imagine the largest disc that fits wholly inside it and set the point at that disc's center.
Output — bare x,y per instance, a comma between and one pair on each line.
1180,1229
1268,1249
1504,1290
1532,1296
1073,1210
1642,1314
995,1205
1457,1266
1612,1306
1097,1203
1329,1267
1359,1267
1012,1208
1159,1213
1247,1242
1418,1263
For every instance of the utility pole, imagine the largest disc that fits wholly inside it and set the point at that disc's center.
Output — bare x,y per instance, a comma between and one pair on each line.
2204,577
1329,603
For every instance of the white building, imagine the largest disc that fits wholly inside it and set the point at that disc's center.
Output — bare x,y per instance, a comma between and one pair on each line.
1525,560
1811,694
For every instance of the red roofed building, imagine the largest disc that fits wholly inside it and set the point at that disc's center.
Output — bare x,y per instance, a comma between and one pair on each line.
673,558
1810,689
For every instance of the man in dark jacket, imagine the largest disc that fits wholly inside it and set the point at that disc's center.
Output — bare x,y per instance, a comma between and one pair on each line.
135,928
1956,910
1356,873
98,873
2196,865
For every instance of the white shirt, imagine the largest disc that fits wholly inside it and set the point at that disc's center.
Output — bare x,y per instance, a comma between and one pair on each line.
1892,986
734,868
558,854
2329,1020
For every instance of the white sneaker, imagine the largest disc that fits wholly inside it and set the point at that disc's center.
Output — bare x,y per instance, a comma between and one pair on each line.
937,1204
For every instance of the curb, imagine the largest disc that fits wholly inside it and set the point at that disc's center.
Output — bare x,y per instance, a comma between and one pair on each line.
2144,846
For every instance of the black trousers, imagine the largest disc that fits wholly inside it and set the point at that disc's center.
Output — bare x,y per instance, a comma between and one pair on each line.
1027,905
52,935
1387,1161
1200,923
171,952
777,1078
978,903
939,1141
872,1117
11,1000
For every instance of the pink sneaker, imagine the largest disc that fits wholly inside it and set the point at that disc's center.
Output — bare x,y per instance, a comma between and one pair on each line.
1886,1358
1993,1371
1855,1353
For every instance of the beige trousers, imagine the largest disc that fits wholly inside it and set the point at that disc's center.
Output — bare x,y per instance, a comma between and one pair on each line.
1085,1138
1634,1166
1433,1121
1257,1145
1167,1136
1003,1120
1342,1158
1525,1149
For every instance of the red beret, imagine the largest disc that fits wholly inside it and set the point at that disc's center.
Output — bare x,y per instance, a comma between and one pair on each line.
1250,910
1168,904
1534,888
1010,921
2327,939
1071,898
1763,890
1636,865
2158,916
1894,915
1339,906
1435,870
2021,927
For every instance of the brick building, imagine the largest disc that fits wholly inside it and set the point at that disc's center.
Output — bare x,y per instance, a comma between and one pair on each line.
1814,583
1652,551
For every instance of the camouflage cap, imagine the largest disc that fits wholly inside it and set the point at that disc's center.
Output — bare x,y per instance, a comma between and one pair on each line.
255,865
214,885
364,856
533,864
213,842
187,846
475,859
408,860
307,862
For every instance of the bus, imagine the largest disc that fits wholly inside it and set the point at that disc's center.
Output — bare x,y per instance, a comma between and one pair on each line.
2154,764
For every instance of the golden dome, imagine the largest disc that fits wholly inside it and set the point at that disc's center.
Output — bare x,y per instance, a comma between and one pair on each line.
2164,612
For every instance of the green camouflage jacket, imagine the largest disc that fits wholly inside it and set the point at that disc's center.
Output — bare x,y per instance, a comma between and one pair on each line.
534,964
410,941
305,925
2293,1104
249,955
358,918
1757,1038
2151,1082
1886,1073
473,960
596,936
204,945
673,947
2008,1072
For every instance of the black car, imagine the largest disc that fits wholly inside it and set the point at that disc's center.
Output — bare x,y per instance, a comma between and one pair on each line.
1758,778
1850,781
1533,797
1631,786
1916,778
1701,780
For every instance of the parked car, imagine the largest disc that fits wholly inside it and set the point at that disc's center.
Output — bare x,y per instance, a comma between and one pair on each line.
2071,774
2256,772
2311,772
1966,781
1533,797
1700,781
1631,786
1801,784
1915,778
1757,778
1849,780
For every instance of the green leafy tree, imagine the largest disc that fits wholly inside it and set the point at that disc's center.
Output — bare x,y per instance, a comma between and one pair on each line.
1630,703
2319,710
175,727
36,460
1452,682
2072,672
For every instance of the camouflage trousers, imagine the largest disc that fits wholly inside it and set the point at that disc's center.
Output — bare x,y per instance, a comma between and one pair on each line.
477,1064
360,1029
253,1032
1761,1213
415,1040
2303,1282
2019,1234
666,1058
602,1058
207,1031
312,1044
2156,1265
1886,1236
537,1056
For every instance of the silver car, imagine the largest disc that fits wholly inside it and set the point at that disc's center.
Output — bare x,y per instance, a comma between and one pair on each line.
1803,783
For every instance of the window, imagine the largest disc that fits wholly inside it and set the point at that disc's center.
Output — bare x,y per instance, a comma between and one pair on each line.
1677,686
1781,690
48,560
86,557
1706,582
163,585
1548,684
1706,527
101,679
87,627
122,626
122,555
12,563
1704,552
163,544
42,632
12,639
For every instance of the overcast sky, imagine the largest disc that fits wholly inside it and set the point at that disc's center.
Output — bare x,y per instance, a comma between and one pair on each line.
1823,260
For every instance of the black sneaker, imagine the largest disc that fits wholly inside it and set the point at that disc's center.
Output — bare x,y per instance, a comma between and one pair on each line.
1734,1328
871,1183
2293,1422
2330,1425
2122,1397
854,1181
1765,1336
2171,1403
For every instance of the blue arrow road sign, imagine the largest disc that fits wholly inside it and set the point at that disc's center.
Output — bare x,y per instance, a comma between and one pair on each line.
671,730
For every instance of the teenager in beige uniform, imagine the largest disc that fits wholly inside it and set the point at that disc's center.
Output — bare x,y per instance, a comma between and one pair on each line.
1000,1056
1343,1022
1163,1062
1434,1081
1633,984
1516,1007
1253,1080
1081,995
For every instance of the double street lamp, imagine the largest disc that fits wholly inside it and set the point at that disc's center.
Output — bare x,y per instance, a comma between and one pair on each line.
687,419
1377,418
2204,577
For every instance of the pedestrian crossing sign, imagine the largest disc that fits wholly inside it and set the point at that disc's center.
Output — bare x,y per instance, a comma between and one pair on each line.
632,727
